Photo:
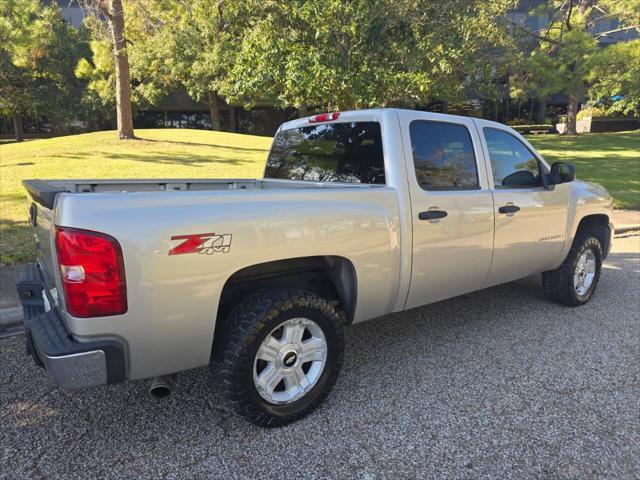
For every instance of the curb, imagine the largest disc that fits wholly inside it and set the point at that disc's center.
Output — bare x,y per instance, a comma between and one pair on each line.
626,228
10,316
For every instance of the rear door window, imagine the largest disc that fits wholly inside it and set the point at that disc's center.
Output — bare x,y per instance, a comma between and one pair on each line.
443,156
349,152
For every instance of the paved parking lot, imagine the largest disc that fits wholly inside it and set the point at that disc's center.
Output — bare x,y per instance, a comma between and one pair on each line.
495,384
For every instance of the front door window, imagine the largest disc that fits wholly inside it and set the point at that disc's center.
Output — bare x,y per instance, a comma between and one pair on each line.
512,163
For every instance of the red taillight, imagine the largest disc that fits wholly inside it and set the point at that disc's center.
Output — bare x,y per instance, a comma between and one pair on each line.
92,272
324,117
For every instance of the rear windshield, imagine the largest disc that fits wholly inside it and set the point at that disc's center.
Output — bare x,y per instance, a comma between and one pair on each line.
334,152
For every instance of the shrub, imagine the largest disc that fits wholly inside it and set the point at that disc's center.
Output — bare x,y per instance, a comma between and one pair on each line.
533,128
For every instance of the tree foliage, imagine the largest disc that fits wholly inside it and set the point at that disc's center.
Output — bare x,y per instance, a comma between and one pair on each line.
566,57
191,45
38,56
615,79
337,54
98,70
310,54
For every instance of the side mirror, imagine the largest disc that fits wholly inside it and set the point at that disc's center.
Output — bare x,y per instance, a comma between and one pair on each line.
562,172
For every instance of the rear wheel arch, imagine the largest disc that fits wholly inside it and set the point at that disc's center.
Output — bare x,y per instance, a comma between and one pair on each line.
331,277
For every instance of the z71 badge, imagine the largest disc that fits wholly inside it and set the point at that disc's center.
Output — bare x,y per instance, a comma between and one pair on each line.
204,243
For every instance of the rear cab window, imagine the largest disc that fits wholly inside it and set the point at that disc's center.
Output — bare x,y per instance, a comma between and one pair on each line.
346,152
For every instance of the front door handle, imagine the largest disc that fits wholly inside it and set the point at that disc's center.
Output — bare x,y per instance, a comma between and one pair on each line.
432,214
509,209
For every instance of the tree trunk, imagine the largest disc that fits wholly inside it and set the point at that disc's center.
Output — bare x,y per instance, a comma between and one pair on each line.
214,110
531,110
124,116
58,126
17,126
541,114
233,119
572,113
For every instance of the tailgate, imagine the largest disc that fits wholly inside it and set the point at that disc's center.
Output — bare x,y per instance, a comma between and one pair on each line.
41,217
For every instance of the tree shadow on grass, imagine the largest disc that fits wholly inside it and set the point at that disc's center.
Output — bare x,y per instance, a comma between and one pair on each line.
13,197
16,241
177,159
161,158
212,145
19,164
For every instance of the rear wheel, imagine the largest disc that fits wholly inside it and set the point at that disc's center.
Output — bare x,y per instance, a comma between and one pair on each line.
278,355
574,283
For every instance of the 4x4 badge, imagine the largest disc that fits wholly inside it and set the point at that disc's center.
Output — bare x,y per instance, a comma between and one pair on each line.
204,243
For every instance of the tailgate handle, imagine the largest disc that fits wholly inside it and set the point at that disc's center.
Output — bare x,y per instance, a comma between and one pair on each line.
432,214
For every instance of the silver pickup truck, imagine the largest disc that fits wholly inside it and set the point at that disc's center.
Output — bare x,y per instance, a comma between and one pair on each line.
359,214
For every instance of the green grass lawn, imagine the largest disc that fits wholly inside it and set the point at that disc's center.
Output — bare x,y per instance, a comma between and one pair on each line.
176,153
612,159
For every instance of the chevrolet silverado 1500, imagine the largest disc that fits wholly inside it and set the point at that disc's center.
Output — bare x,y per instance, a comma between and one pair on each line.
359,214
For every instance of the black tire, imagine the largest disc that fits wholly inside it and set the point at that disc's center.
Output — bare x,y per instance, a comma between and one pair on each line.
240,336
558,284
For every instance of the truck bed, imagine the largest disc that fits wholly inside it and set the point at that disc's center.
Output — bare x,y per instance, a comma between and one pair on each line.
44,192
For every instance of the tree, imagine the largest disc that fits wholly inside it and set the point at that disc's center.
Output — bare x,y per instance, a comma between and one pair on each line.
567,47
337,54
113,11
38,55
17,90
186,44
98,71
614,77
54,56
535,76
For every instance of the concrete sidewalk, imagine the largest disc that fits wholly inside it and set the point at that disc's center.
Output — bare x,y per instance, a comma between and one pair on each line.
11,311
626,220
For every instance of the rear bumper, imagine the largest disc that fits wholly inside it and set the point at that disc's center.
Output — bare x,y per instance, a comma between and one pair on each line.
71,364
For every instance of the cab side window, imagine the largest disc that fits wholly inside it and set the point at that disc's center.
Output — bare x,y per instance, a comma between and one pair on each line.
512,164
443,156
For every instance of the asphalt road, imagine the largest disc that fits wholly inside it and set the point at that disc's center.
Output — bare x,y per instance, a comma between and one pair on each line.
495,384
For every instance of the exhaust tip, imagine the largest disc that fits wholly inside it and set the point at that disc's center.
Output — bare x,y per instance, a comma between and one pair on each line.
161,386
160,391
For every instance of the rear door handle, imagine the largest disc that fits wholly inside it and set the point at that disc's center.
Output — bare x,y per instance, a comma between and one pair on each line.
509,209
432,214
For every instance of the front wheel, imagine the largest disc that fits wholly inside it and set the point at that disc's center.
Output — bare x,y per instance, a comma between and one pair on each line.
278,355
574,283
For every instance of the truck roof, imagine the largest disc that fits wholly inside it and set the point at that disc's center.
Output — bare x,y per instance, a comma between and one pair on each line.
373,114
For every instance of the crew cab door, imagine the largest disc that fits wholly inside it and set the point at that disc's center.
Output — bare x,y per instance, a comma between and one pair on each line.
451,206
530,219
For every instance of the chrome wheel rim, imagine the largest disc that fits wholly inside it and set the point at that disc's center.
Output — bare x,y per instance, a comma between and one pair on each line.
289,361
585,272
